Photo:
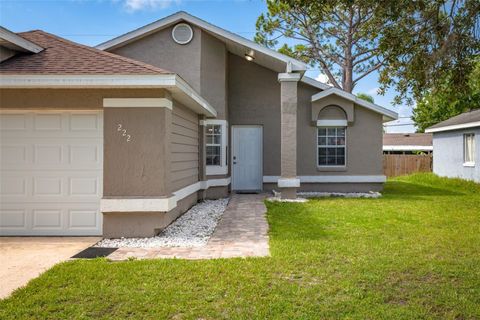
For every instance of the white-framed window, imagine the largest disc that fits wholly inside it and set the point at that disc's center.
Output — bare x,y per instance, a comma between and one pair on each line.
331,146
216,145
469,149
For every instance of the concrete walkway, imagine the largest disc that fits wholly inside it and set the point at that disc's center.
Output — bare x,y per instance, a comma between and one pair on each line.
241,232
25,258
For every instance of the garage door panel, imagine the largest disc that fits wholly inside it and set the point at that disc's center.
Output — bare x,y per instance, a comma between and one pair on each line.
33,155
47,186
84,186
13,122
13,218
50,219
83,219
47,218
86,124
88,156
51,173
13,186
13,155
50,154
50,186
49,121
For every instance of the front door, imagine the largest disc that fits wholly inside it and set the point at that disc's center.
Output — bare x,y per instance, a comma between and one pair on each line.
247,158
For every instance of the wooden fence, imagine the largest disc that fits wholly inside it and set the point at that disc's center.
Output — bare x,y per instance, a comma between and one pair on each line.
402,164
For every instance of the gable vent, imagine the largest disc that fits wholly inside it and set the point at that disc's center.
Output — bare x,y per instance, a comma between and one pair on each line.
182,33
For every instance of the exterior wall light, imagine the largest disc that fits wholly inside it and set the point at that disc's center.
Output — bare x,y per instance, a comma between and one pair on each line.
249,57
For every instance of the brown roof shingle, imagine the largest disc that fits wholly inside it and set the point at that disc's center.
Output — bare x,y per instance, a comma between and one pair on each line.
463,118
62,56
407,139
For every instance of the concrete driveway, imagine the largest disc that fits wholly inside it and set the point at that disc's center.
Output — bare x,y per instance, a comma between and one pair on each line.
25,258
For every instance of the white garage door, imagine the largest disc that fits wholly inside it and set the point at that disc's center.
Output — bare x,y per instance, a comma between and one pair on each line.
51,172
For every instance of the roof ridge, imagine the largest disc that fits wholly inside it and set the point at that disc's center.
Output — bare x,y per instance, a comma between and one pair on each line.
33,30
216,31
101,52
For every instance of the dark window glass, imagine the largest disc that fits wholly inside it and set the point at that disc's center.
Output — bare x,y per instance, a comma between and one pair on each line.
213,145
331,146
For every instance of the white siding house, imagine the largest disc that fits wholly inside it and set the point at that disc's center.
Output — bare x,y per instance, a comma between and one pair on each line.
456,145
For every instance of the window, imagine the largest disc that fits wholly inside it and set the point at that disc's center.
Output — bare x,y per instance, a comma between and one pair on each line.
216,146
331,146
469,149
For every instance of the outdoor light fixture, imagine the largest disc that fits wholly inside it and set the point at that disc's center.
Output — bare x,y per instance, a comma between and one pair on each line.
249,56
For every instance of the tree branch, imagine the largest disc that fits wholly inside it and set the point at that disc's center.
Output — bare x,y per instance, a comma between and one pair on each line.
366,73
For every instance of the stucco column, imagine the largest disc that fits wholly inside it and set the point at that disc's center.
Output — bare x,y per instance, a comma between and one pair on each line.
288,181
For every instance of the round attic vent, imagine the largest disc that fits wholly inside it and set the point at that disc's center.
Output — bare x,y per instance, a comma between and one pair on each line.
182,33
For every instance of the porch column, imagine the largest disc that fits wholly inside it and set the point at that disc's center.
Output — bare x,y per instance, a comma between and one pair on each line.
288,182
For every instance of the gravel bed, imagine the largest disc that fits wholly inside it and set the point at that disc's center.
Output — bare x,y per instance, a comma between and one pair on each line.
192,229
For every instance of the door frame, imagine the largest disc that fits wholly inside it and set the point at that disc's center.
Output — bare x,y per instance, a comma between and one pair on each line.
232,150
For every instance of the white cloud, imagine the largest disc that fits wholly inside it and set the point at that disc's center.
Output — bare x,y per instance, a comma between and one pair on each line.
405,111
135,5
373,91
322,78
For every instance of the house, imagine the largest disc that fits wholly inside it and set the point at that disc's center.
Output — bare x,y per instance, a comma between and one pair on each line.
407,143
456,146
123,138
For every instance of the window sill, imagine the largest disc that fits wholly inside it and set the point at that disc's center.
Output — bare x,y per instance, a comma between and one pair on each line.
216,170
331,168
469,164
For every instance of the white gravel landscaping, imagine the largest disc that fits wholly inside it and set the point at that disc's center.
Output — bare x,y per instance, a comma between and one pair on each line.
192,229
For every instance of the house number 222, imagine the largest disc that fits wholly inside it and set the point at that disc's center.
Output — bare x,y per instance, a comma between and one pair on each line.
124,132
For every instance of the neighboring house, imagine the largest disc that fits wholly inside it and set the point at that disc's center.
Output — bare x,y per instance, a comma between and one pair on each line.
407,143
87,131
456,146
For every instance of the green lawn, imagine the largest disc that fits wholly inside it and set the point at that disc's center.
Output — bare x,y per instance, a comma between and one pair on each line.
414,253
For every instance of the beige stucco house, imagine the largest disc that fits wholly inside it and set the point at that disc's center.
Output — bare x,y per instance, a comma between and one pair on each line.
121,139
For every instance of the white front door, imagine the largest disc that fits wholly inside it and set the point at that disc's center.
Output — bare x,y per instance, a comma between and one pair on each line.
247,158
51,173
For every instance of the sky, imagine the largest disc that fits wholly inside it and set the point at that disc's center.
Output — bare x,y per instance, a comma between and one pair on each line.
92,22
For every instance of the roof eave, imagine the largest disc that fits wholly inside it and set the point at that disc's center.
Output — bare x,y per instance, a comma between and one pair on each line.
407,148
315,83
179,16
19,42
388,115
179,88
454,127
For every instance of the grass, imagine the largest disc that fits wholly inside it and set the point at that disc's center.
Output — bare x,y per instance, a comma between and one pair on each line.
414,253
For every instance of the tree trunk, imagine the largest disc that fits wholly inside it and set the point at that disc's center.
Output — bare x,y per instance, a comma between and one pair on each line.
347,81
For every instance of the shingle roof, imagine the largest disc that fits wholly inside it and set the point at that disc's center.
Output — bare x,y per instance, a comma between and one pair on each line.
463,118
407,139
62,56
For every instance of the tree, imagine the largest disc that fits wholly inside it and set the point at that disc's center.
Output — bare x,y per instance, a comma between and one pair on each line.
428,46
423,49
339,37
444,101
366,97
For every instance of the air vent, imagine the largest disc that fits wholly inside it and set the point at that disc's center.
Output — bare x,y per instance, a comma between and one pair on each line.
182,33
